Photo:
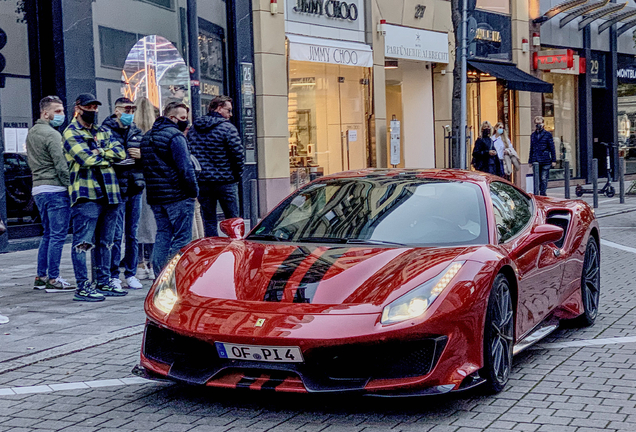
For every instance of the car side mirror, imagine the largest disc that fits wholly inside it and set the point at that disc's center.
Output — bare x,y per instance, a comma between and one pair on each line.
540,235
233,228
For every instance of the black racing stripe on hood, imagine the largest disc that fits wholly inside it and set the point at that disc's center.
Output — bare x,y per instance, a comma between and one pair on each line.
276,286
308,285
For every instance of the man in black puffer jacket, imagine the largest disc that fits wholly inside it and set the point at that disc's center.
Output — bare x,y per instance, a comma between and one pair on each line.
542,151
170,181
131,183
216,144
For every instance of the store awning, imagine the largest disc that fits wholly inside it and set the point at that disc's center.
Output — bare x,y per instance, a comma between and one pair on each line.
319,50
516,78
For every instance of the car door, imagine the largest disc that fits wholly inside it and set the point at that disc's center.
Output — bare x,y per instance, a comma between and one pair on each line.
539,270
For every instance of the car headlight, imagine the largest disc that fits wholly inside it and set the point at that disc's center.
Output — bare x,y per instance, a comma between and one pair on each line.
415,302
166,291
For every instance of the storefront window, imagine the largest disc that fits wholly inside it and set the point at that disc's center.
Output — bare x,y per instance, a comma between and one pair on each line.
560,113
327,118
627,125
155,69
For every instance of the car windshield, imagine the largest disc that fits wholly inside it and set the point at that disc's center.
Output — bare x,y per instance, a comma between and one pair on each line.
380,210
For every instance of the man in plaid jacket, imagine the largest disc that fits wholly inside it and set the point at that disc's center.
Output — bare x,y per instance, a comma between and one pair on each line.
90,152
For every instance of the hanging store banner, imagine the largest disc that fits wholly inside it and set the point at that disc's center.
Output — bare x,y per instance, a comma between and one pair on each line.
303,48
414,44
553,59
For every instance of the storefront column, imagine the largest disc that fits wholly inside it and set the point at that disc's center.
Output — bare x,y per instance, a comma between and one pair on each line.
585,108
271,104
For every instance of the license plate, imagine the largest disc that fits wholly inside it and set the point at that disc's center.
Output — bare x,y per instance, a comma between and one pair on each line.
274,354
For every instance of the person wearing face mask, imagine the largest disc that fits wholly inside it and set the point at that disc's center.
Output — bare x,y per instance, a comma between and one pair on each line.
542,151
50,191
91,152
216,144
484,153
170,181
131,184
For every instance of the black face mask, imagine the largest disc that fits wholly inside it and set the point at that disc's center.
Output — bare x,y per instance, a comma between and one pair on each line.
539,126
182,125
89,117
485,132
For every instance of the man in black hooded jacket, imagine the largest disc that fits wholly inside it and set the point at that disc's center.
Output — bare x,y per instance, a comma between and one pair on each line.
216,144
131,183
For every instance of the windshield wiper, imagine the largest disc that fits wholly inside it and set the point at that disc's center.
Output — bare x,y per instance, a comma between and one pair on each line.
322,240
375,242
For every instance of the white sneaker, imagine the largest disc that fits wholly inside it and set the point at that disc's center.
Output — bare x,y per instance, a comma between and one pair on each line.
151,274
116,282
142,272
4,319
133,283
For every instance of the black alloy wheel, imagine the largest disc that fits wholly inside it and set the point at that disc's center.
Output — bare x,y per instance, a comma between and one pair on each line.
498,336
590,284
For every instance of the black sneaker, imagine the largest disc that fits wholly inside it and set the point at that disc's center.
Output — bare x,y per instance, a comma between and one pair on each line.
110,290
86,292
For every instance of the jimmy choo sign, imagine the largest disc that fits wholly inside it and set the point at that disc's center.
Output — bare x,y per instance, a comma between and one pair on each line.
330,8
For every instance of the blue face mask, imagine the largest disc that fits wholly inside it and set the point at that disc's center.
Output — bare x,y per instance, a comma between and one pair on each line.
57,120
500,131
126,119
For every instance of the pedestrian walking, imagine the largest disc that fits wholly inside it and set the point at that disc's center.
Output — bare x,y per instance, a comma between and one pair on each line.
542,151
95,197
131,184
145,116
216,144
50,175
484,154
498,144
170,182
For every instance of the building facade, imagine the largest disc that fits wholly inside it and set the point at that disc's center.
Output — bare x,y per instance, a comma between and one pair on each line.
115,48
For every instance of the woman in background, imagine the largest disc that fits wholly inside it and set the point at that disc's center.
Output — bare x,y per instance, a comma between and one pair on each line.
145,116
506,152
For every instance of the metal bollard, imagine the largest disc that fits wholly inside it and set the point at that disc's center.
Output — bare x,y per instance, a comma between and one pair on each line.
621,179
253,203
595,181
566,177
535,177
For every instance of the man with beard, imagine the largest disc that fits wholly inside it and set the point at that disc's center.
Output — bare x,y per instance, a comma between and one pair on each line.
95,197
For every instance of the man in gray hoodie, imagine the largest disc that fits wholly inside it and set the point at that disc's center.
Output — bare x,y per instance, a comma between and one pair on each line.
50,191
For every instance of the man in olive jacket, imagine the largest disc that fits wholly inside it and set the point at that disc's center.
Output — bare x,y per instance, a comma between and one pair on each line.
50,191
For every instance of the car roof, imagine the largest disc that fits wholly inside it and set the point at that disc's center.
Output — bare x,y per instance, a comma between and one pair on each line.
438,174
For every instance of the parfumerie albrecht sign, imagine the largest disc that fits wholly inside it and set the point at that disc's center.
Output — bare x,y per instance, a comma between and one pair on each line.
415,44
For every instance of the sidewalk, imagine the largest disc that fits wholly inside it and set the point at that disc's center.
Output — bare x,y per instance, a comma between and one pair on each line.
606,206
45,325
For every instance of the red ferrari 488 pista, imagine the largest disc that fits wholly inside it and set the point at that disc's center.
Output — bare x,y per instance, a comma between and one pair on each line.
385,282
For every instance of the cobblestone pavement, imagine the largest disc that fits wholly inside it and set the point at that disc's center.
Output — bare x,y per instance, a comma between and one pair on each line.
553,388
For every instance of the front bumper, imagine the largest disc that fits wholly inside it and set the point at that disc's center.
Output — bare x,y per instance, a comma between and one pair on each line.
334,368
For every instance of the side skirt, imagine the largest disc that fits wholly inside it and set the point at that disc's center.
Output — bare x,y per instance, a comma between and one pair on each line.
539,332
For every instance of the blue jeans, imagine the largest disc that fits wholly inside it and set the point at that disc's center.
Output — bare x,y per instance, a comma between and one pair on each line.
544,174
174,230
93,226
55,212
226,195
128,214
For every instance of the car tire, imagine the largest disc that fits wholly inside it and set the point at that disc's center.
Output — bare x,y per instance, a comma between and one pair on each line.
590,284
498,336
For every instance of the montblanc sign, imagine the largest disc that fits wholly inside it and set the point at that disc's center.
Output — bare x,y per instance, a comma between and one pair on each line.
330,8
